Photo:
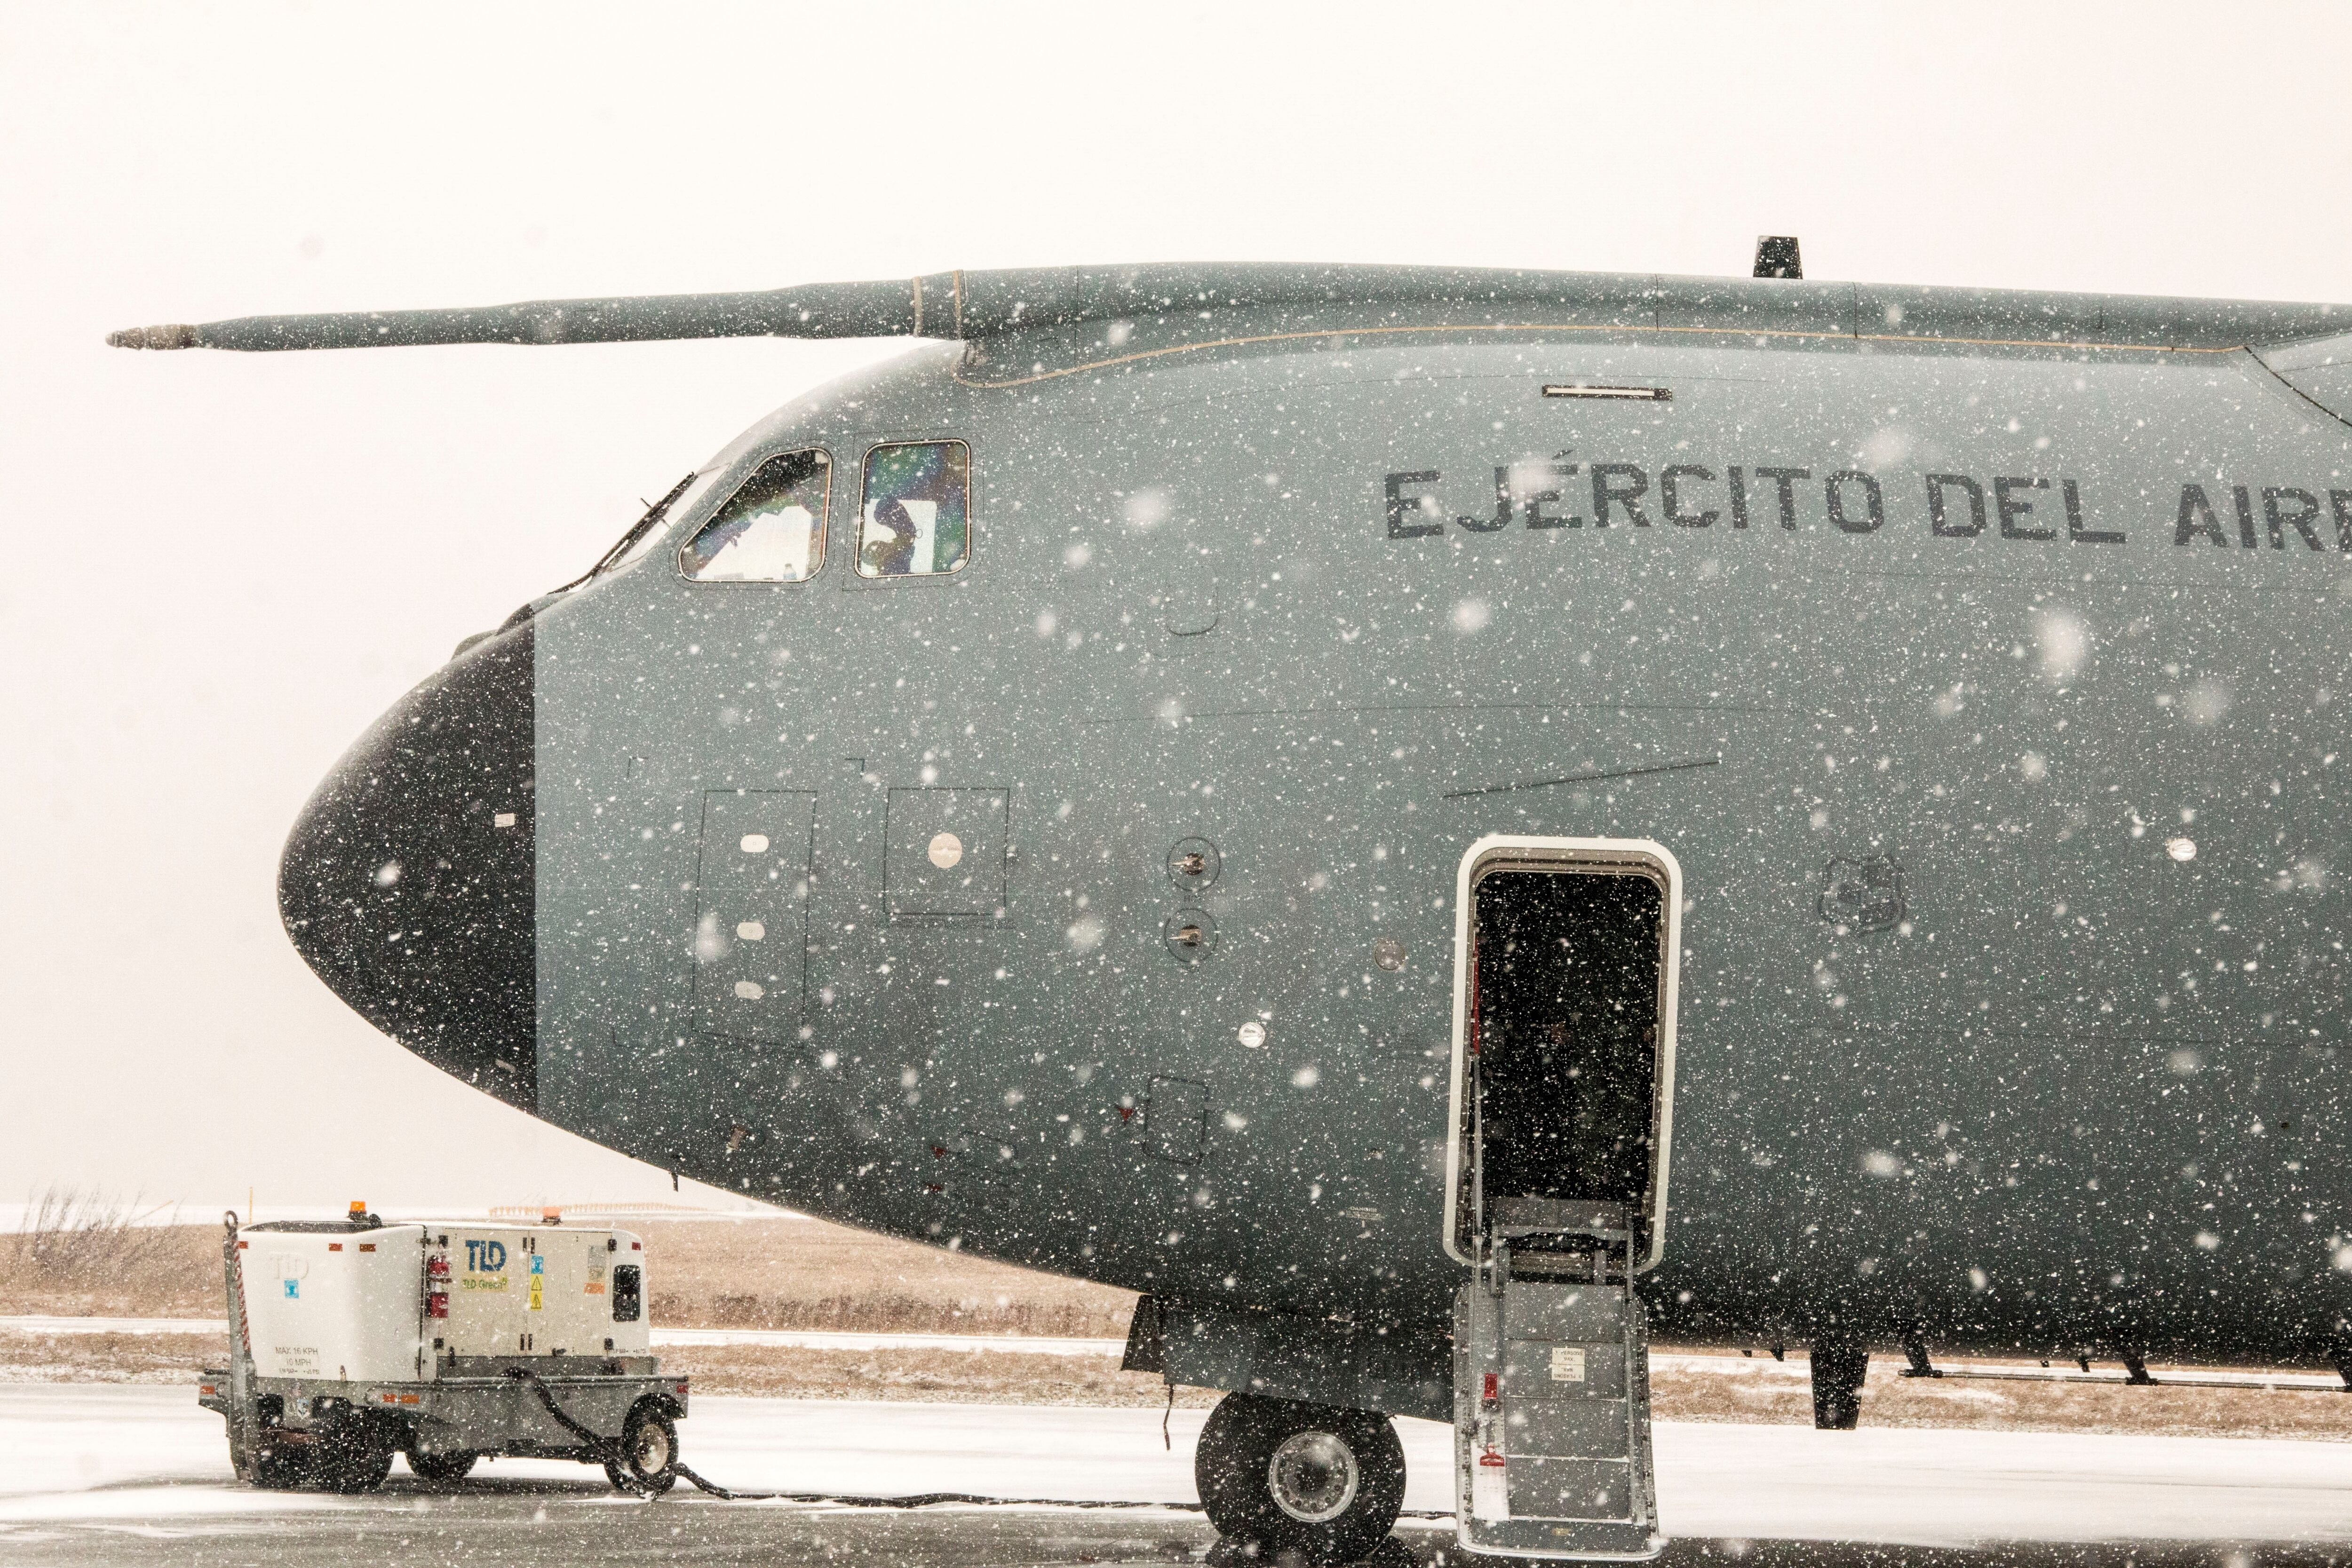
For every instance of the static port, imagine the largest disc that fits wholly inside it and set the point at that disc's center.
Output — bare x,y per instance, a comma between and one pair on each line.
1191,934
1194,863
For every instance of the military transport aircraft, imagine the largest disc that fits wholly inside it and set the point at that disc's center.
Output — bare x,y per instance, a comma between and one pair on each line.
1303,792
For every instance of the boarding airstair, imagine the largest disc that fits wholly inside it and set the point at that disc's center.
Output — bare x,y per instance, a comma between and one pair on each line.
1562,1112
1552,1389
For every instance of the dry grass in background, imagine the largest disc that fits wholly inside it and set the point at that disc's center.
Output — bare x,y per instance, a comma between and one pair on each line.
806,1274
84,1253
80,1256
1734,1388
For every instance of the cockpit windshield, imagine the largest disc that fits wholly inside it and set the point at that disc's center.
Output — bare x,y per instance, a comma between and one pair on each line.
771,530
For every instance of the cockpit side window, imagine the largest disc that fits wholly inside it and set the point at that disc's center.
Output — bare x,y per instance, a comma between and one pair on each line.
771,530
914,520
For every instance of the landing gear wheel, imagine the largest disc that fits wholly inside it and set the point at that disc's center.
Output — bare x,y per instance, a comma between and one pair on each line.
441,1467
648,1461
1838,1370
1287,1476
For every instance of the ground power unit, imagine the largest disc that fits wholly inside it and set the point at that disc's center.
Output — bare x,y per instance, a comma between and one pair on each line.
353,1341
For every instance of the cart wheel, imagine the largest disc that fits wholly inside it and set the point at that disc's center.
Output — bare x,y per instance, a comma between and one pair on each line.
441,1467
356,1461
648,1461
279,1469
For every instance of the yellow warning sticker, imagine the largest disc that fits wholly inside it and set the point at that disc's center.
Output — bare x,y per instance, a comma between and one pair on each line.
538,1300
1567,1361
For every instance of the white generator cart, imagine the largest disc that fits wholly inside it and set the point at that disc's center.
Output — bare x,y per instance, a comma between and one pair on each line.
352,1341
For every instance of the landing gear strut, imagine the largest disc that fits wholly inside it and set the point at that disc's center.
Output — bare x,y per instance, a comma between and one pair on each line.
1313,1479
1838,1369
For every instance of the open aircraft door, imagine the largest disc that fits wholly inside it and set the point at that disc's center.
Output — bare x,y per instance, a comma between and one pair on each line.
1565,958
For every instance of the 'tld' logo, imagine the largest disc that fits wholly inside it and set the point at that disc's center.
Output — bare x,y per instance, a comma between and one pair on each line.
485,1256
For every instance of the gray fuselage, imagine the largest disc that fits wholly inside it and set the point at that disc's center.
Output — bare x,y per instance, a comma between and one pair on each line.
1966,1048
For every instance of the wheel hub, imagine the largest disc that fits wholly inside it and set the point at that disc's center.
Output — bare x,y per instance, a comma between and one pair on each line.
1313,1477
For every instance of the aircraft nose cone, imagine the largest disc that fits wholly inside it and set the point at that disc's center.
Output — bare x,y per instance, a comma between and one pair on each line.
407,885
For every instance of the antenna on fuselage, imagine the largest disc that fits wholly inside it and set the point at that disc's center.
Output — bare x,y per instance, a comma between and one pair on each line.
1776,257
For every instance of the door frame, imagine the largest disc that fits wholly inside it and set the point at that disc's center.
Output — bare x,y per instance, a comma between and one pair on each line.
1593,856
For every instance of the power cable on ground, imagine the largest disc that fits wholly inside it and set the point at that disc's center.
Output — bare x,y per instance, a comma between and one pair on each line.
609,1448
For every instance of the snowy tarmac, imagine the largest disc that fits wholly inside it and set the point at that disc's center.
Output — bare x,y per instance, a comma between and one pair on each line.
1034,1345
95,1474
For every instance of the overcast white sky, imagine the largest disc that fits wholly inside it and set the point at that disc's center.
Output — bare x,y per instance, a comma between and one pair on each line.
223,567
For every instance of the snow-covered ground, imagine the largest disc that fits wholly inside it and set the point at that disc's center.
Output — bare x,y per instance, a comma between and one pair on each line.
92,1454
34,1324
1032,1344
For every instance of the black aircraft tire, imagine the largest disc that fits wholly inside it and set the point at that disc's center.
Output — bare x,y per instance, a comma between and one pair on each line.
1322,1482
1839,1367
442,1467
